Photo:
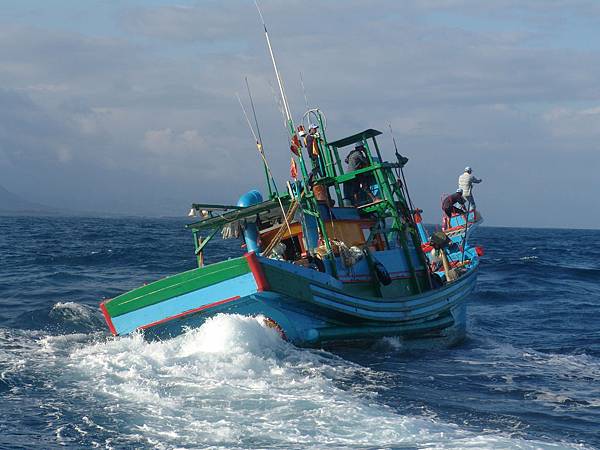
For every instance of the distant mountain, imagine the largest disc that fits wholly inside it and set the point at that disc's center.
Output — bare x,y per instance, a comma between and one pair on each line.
13,204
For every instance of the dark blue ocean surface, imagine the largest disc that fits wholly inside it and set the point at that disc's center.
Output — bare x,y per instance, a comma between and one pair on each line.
528,375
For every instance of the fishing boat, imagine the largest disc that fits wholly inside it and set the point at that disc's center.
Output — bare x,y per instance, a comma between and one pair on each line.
341,254
315,271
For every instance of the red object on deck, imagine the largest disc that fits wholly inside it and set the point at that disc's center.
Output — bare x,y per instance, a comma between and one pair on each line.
426,247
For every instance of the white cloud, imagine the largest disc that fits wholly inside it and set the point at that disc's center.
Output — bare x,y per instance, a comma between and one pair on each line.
464,86
166,141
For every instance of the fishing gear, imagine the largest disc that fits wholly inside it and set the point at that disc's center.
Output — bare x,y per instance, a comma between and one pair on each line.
260,141
304,91
262,155
286,106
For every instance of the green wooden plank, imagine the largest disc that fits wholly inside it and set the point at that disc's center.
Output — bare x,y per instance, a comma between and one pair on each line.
175,285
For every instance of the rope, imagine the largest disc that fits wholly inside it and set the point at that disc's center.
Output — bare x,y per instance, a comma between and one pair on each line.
281,231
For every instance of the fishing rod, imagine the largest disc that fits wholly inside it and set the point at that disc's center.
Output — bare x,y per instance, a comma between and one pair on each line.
278,103
262,155
295,142
260,141
401,168
286,106
304,91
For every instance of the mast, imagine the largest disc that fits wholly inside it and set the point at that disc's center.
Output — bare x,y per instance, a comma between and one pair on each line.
311,203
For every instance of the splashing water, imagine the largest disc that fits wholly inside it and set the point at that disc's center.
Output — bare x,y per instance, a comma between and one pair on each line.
527,376
231,383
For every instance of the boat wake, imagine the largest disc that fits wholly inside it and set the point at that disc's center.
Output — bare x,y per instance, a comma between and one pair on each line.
232,383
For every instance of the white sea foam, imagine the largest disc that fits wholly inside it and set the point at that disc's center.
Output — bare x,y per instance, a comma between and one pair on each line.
232,383
528,258
235,383
74,310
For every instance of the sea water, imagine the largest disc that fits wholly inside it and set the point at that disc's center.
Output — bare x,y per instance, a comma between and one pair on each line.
527,376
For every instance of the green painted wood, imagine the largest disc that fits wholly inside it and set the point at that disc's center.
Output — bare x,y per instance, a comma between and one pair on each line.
358,137
287,283
176,285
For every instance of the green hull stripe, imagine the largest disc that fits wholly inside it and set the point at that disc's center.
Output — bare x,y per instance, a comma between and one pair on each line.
176,285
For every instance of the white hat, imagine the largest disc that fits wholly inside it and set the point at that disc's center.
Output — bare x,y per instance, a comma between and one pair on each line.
313,125
459,190
468,169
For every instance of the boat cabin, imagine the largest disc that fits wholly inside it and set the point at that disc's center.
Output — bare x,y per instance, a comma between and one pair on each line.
332,217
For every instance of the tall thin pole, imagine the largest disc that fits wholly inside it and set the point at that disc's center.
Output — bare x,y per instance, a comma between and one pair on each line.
260,141
286,107
262,155
310,199
304,92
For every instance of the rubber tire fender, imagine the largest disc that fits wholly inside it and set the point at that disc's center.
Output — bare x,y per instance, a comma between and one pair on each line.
382,274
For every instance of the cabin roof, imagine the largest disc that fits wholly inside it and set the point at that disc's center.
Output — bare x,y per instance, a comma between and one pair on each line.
358,137
240,213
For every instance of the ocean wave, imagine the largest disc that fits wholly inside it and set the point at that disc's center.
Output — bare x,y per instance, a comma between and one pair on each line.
62,318
528,258
234,383
571,381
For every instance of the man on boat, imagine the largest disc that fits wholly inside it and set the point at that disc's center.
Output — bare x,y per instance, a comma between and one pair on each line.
449,202
312,146
357,158
465,182
310,142
359,189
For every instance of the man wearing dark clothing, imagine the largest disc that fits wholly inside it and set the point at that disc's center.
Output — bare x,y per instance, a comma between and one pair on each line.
451,200
357,159
312,147
357,191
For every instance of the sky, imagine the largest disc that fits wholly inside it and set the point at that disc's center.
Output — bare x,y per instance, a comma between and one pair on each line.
130,106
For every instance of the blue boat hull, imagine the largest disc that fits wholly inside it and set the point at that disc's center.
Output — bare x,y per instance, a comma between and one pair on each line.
323,313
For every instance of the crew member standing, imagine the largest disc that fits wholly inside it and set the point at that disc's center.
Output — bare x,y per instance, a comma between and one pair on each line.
465,182
358,190
312,147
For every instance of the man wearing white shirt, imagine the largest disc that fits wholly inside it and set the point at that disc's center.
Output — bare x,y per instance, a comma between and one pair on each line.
465,182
